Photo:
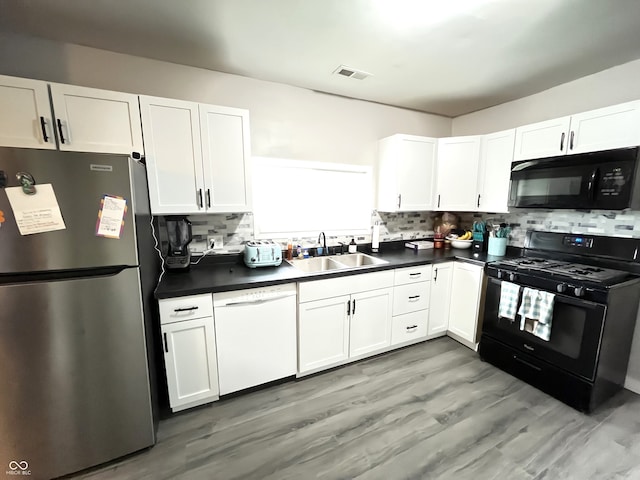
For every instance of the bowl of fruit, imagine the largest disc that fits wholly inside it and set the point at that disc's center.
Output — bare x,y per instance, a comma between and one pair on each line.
461,241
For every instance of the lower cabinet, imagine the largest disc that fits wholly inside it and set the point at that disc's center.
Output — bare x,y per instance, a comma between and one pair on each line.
464,312
370,328
440,298
189,351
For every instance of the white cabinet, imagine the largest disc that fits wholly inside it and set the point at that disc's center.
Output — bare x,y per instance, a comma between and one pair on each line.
466,292
440,298
343,318
370,328
92,120
496,155
197,156
406,173
323,333
457,173
411,293
189,347
26,119
606,128
173,153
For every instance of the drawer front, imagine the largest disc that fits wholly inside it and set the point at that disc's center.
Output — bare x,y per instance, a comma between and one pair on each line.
404,276
411,326
411,297
185,308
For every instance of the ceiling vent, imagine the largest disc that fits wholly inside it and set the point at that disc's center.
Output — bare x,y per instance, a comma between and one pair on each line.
351,72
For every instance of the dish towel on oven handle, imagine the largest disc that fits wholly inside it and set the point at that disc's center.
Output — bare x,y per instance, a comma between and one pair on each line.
509,293
536,312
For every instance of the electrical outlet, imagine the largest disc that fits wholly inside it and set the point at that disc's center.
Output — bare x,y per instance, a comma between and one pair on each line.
214,241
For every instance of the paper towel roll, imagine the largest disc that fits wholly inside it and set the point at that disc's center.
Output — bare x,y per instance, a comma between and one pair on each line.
375,237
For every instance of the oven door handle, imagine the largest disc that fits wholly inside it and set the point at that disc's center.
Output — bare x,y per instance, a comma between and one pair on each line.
591,187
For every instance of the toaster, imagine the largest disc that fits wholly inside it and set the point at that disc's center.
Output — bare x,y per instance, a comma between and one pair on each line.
263,253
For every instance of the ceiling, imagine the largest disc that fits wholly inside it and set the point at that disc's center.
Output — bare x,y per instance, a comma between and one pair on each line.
422,54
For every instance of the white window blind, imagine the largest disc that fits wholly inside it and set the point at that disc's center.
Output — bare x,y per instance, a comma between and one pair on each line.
301,198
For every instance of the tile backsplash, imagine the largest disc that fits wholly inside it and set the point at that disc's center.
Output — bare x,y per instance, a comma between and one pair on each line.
237,228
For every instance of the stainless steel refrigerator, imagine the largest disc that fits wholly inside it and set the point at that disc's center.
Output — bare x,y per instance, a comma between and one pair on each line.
76,328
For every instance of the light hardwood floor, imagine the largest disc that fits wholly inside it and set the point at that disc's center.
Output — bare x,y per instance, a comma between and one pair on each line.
429,411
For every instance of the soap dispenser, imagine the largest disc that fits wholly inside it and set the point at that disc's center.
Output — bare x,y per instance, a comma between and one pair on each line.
353,248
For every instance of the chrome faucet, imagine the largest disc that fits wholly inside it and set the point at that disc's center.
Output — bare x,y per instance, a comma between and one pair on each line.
324,242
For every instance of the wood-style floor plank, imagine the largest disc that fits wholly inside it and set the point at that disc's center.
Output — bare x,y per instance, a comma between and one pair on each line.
433,410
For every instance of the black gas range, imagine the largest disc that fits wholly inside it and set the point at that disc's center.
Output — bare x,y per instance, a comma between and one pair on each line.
595,282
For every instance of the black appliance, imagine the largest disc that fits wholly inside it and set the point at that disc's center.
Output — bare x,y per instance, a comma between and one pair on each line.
596,284
179,237
606,180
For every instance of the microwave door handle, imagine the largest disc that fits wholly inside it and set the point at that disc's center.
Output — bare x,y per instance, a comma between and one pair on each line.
592,184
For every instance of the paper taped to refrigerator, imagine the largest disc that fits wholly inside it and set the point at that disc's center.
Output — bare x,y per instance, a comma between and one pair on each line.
37,213
111,216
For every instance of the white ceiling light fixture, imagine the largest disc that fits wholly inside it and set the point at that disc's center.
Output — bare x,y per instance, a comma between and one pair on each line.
404,14
351,72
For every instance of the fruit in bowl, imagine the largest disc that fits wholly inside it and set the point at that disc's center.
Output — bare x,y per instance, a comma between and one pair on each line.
458,243
468,235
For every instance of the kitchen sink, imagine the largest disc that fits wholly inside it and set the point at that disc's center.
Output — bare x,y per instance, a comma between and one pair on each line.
359,260
316,264
336,262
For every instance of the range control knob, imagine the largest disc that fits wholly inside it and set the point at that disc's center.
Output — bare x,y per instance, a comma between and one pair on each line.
561,287
500,274
512,277
578,291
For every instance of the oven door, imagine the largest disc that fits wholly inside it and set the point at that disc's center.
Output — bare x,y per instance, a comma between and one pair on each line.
602,180
576,331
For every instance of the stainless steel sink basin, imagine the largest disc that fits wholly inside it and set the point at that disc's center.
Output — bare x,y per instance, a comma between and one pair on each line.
317,264
359,260
335,262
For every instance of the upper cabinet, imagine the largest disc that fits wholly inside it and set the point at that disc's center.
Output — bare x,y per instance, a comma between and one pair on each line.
496,155
83,119
406,168
457,173
603,129
92,120
26,119
197,156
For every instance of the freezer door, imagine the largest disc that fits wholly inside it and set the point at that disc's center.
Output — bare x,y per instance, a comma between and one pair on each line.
79,181
73,374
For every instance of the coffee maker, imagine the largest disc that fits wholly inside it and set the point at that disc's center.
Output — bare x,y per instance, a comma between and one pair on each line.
179,237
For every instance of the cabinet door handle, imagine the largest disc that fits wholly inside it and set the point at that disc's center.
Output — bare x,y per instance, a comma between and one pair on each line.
438,200
412,327
415,274
399,200
43,125
208,198
571,140
478,200
435,277
414,298
199,198
349,307
60,131
185,309
354,307
166,343
562,141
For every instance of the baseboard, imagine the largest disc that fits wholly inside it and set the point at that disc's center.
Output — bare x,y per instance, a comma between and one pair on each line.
632,384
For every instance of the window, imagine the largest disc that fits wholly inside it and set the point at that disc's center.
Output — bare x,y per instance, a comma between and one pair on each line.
294,198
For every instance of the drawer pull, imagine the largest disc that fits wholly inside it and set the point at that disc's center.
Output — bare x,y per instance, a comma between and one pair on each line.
414,298
416,274
524,362
185,309
412,328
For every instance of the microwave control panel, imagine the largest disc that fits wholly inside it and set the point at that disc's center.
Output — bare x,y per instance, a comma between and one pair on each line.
578,241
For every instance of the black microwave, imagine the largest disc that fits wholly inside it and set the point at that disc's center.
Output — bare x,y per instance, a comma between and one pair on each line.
606,180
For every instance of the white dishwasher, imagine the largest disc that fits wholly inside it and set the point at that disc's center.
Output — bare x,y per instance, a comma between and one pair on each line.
255,336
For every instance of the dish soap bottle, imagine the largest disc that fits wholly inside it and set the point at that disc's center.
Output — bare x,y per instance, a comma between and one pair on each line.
353,248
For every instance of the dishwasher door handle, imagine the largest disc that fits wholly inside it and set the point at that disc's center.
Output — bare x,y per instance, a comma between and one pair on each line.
255,302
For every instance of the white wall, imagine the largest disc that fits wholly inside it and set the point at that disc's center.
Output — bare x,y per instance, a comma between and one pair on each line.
286,121
615,85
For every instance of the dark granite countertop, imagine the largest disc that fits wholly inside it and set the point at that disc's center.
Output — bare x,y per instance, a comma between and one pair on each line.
232,274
